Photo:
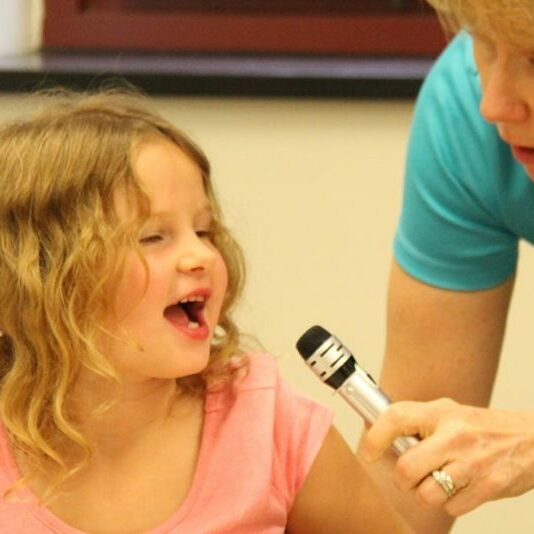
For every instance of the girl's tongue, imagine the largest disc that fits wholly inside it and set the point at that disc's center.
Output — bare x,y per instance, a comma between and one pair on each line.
176,315
187,314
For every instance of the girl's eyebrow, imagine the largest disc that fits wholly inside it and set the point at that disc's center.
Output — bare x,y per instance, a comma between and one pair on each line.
205,210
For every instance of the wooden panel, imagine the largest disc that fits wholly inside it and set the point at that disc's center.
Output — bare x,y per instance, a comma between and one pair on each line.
115,25
275,6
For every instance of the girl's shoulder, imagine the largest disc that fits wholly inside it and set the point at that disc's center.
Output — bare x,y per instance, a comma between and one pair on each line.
277,429
261,371
259,386
256,371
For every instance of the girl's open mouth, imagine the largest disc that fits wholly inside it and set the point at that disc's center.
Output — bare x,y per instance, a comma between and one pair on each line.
187,316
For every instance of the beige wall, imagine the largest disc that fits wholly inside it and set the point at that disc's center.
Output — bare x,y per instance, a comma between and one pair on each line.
312,190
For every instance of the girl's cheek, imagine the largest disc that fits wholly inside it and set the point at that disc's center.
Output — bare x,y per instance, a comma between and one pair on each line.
131,287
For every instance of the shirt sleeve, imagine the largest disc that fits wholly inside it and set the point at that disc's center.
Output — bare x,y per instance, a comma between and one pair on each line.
300,429
451,231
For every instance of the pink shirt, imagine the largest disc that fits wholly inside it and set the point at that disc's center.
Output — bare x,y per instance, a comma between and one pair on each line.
258,444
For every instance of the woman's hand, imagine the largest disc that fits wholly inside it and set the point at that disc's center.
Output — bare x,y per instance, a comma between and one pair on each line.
488,453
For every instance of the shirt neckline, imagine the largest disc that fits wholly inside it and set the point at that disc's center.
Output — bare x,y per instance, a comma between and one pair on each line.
48,518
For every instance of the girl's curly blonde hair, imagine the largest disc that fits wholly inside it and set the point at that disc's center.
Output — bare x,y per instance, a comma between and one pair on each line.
62,248
512,20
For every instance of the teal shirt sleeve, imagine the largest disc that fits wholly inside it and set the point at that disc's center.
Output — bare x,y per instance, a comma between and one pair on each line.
452,232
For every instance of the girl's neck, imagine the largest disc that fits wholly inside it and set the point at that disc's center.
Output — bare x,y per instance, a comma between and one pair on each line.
115,419
147,443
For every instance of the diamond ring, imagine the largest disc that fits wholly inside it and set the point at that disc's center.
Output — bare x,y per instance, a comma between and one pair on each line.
445,481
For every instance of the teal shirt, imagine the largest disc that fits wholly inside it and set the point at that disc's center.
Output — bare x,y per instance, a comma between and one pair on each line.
467,201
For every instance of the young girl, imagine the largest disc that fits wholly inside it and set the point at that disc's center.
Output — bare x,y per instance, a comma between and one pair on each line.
117,278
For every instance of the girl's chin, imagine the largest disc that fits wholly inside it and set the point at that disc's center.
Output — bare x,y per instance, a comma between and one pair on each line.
182,365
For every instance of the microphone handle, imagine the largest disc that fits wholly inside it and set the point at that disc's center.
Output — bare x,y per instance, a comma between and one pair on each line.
370,401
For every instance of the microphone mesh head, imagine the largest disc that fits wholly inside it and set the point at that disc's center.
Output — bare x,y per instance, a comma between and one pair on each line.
311,340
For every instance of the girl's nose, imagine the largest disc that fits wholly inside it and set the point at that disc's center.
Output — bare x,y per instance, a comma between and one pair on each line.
195,255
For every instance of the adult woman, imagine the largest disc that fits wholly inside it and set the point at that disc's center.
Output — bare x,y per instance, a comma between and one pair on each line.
469,198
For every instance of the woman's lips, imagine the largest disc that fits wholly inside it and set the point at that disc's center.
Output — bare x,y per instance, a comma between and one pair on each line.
523,154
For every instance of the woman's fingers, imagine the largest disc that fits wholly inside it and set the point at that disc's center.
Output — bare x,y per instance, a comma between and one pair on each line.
477,454
403,419
453,442
430,491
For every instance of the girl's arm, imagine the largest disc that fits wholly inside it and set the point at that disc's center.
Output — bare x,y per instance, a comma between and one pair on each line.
338,497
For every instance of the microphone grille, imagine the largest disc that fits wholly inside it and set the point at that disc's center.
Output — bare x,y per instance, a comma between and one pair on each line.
311,340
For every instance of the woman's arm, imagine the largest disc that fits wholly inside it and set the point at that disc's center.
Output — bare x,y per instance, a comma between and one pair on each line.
440,343
443,343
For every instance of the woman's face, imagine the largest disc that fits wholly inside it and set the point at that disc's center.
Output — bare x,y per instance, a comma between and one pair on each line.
507,78
171,316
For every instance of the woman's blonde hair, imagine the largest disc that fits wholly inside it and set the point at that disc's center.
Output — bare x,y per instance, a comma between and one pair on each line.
513,20
62,248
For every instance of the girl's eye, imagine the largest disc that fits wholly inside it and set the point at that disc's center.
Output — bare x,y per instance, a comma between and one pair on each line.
150,239
205,234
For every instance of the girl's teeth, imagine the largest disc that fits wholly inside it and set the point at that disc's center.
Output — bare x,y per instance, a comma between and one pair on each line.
193,299
193,325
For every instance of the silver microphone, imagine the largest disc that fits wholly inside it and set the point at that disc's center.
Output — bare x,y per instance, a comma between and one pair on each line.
335,365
